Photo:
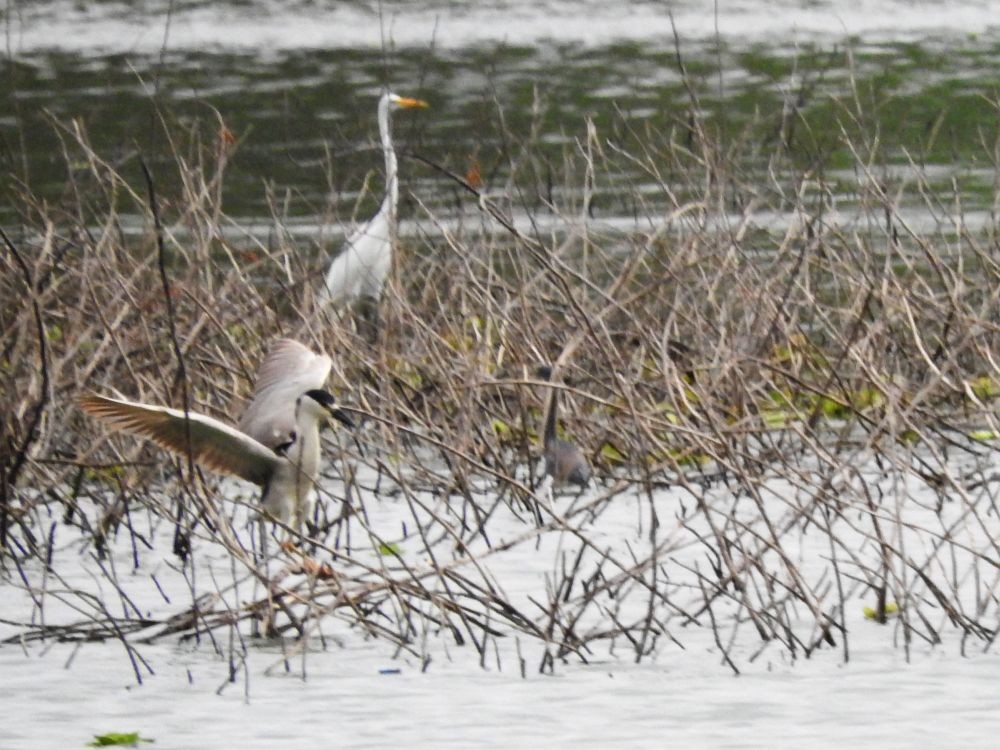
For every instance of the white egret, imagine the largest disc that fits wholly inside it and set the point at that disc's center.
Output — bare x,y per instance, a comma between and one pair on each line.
359,272
564,462
277,445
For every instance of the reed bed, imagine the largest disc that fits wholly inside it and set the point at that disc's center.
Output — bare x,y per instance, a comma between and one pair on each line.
785,390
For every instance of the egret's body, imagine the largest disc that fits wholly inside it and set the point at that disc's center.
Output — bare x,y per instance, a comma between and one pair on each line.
360,271
277,445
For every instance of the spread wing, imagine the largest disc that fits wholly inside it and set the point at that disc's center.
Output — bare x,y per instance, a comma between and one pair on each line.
289,370
214,444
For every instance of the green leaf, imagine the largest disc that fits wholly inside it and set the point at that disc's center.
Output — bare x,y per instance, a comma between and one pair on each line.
691,396
389,548
782,353
777,417
985,387
117,739
780,398
237,330
666,409
984,435
501,429
867,397
692,458
891,608
833,409
104,473
611,454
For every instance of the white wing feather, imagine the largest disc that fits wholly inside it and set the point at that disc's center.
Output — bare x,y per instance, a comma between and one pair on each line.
213,444
289,370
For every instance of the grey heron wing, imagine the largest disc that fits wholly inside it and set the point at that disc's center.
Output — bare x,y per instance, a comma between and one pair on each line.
289,370
288,361
213,444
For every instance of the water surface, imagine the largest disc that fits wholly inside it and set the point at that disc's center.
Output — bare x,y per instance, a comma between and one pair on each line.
917,94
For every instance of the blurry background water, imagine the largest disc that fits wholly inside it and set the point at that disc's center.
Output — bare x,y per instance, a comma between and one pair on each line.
296,83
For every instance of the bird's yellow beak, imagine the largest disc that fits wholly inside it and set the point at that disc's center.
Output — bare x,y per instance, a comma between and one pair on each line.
407,103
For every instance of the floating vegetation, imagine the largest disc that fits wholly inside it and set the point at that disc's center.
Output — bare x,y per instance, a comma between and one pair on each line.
118,739
891,610
389,548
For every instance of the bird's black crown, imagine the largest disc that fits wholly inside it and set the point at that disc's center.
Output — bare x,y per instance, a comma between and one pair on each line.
325,399
322,397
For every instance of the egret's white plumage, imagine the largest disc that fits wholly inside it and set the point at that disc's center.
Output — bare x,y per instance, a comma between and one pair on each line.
277,443
360,271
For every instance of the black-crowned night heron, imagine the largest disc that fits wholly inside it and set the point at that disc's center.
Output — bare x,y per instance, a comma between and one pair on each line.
277,443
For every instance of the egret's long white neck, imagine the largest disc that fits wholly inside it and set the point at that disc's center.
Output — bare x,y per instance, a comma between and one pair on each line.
391,180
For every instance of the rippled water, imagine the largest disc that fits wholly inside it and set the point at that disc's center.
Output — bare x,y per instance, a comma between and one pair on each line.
876,702
296,84
359,692
296,24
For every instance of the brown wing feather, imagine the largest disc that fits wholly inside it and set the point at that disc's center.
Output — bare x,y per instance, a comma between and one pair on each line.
213,444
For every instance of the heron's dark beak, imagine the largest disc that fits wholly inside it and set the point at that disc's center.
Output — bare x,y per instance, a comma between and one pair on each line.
343,417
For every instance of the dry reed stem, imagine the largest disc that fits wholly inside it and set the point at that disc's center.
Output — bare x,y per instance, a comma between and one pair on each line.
739,388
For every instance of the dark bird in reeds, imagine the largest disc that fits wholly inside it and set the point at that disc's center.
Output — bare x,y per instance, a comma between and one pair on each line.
564,462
